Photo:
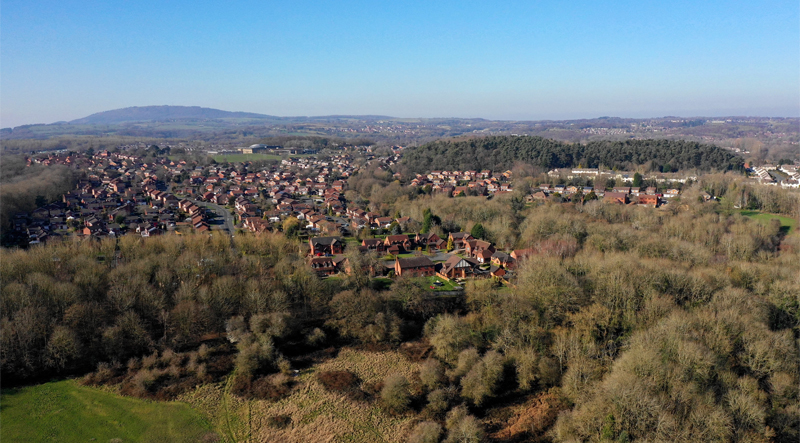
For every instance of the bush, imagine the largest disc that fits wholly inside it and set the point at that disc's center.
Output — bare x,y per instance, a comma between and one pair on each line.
279,421
462,427
316,337
440,400
425,432
431,373
338,381
396,394
272,388
466,360
482,380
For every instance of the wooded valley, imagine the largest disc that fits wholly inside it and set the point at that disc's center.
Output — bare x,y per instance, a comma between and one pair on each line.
627,323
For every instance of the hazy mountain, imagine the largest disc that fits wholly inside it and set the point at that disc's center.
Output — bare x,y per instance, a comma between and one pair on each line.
161,113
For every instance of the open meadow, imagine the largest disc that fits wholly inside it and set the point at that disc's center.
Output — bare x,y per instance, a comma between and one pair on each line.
65,411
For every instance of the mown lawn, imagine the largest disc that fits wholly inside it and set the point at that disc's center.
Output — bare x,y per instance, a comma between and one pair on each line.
65,411
446,285
787,224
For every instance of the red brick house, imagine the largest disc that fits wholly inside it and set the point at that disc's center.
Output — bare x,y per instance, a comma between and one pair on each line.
649,200
618,198
519,254
416,266
456,267
479,249
429,240
497,271
323,266
401,241
460,239
325,245
373,244
503,259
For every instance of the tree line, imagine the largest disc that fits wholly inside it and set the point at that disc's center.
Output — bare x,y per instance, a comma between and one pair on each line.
503,152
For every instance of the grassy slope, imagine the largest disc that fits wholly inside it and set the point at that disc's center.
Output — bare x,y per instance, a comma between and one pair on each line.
65,411
787,224
316,414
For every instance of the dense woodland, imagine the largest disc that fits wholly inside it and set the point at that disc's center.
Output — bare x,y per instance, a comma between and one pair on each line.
628,324
499,153
24,188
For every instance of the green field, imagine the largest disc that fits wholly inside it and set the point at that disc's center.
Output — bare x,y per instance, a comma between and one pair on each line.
232,158
65,411
787,224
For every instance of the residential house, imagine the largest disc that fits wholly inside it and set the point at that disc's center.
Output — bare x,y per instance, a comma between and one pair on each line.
323,266
373,244
479,250
519,254
429,241
619,198
416,266
456,267
460,239
648,200
326,245
401,241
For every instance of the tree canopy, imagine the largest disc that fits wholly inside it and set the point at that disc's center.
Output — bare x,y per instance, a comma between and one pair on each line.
502,152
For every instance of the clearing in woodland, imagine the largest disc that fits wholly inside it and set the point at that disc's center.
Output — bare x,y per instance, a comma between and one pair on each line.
65,411
310,412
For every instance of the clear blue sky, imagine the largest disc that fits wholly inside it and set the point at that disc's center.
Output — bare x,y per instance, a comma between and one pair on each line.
61,60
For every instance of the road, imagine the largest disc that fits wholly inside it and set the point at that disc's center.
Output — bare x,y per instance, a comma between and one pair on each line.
221,211
227,218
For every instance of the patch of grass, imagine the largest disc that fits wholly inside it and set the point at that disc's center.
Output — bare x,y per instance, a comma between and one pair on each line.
404,255
446,285
381,283
787,224
65,411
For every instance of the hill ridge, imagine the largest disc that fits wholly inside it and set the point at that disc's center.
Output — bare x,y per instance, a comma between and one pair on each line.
161,113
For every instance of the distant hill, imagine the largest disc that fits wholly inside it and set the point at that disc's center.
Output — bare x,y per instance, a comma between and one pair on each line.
161,113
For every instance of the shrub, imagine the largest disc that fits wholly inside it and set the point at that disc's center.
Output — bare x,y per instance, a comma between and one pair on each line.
425,432
462,427
203,352
482,380
279,421
440,400
316,337
449,335
526,364
431,373
466,360
144,381
396,394
272,388
338,381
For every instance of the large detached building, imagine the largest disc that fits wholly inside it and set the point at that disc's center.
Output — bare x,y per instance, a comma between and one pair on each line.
326,245
416,266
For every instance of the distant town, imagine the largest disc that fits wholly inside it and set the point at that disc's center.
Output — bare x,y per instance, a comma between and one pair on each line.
124,194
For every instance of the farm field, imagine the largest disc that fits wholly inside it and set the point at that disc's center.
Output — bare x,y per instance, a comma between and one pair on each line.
65,411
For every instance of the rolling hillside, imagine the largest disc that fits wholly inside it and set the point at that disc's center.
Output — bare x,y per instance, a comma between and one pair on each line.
161,113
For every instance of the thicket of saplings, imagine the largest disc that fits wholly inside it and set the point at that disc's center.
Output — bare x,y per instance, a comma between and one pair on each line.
628,323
